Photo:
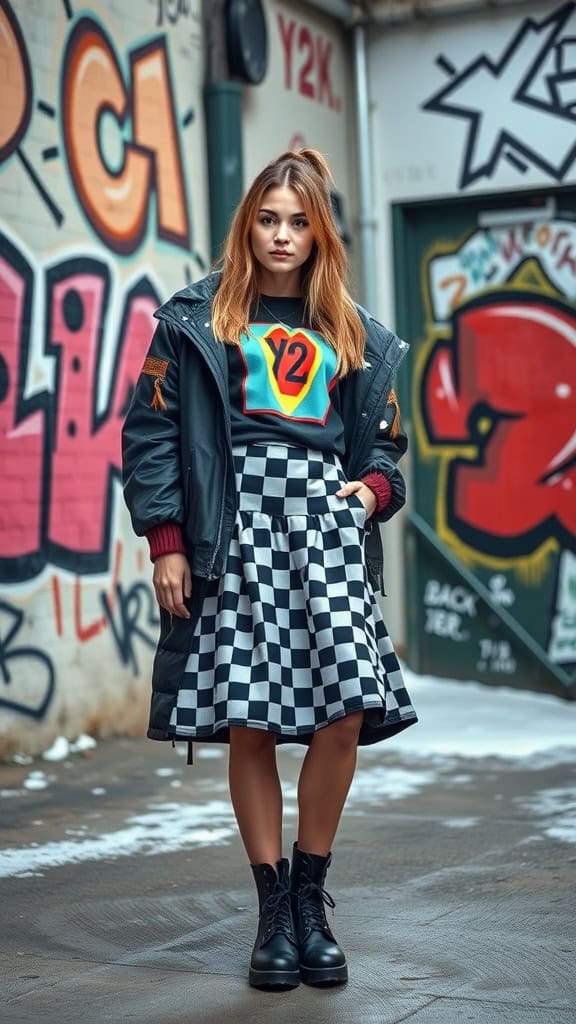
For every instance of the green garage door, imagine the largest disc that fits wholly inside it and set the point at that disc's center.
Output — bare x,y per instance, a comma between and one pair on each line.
485,292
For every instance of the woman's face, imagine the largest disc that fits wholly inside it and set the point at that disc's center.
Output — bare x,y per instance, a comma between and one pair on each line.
281,239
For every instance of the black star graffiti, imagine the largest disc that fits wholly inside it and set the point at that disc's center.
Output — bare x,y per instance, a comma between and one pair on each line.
521,108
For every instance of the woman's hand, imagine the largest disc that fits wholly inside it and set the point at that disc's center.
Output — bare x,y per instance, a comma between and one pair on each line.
367,497
172,581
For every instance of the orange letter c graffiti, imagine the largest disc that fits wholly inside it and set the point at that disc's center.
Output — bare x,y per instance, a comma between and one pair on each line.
116,202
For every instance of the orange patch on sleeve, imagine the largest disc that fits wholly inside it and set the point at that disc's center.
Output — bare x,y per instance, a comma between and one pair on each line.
155,367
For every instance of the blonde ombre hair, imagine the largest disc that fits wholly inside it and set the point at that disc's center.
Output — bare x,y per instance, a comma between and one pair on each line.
323,281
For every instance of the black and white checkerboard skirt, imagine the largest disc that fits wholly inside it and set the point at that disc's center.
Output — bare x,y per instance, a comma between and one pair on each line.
291,639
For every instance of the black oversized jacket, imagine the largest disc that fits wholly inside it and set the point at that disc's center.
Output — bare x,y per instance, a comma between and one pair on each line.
177,452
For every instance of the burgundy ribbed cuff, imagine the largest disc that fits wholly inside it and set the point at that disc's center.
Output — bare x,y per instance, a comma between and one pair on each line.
165,540
380,485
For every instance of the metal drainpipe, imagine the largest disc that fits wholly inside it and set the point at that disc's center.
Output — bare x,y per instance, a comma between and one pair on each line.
367,221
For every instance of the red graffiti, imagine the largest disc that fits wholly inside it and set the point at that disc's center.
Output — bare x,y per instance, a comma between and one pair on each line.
506,385
61,448
87,631
314,55
57,602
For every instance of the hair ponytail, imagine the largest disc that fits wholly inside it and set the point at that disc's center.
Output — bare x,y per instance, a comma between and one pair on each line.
318,161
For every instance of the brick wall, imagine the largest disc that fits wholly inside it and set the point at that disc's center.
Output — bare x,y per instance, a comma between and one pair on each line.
103,203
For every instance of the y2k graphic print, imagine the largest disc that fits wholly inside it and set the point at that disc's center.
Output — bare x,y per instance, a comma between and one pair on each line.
287,373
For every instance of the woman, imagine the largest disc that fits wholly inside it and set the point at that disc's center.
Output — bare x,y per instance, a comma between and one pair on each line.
259,454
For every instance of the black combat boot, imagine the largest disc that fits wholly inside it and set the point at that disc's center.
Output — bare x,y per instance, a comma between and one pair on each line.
322,962
274,962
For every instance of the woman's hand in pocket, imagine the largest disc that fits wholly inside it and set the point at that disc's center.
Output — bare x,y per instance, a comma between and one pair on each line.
367,497
172,581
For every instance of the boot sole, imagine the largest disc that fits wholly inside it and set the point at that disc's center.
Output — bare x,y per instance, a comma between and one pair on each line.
324,975
273,979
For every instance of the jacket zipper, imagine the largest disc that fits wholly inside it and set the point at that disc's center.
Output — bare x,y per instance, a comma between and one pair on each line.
367,427
392,368
218,383
220,522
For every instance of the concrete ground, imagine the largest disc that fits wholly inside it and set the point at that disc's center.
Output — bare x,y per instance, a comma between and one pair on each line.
127,896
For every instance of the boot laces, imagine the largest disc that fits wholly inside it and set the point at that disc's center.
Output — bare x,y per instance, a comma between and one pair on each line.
312,901
277,910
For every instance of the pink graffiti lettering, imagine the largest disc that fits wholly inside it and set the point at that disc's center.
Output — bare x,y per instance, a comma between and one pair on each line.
22,430
82,443
60,459
557,239
511,246
567,258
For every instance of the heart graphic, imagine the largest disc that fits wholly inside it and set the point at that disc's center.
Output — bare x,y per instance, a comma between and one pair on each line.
293,360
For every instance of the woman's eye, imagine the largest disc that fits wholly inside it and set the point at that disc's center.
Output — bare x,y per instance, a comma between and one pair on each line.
266,221
301,223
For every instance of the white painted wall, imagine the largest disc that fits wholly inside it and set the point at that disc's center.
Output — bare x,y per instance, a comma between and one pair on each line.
473,67
307,98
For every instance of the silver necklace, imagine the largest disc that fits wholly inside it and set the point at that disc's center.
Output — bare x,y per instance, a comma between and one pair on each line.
276,318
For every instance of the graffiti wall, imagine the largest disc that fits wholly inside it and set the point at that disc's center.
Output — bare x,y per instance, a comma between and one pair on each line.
102,214
494,407
476,169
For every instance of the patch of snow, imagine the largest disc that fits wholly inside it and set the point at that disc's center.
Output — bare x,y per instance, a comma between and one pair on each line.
470,719
84,742
378,783
461,822
559,807
58,751
22,759
165,773
207,752
98,791
163,829
36,780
